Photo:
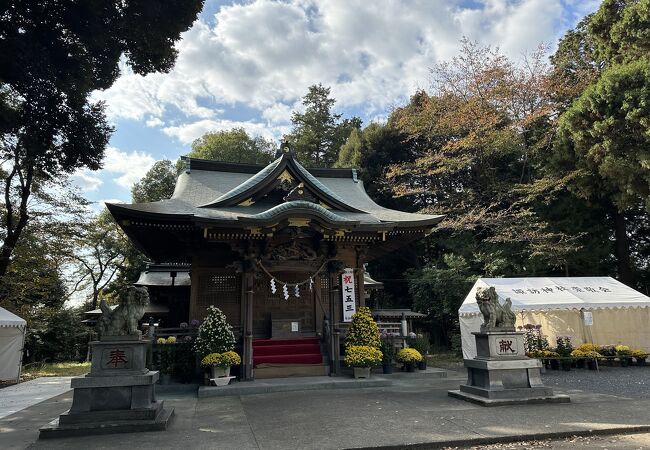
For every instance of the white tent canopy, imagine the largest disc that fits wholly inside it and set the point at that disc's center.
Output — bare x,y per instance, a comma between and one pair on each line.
12,338
558,304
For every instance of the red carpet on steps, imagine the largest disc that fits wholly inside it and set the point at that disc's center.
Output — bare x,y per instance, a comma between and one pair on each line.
287,351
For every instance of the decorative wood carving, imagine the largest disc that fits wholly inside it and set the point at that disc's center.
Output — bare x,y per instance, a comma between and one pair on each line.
300,193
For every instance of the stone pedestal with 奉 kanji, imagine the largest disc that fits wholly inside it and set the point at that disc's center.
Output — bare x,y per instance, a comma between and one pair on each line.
117,396
501,373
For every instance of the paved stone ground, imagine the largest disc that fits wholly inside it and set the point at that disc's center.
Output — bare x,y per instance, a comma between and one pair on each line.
411,411
19,396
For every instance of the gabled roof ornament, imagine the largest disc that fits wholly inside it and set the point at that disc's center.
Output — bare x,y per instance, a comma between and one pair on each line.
299,193
289,172
285,149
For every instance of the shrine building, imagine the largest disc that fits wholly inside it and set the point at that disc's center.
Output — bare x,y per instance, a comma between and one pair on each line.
279,249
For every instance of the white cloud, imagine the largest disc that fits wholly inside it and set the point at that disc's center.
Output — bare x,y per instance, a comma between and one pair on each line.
154,122
278,113
265,53
130,166
86,181
187,133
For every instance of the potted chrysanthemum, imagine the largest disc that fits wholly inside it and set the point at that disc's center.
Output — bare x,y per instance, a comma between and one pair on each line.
387,349
640,356
215,337
220,363
409,357
166,358
362,358
624,355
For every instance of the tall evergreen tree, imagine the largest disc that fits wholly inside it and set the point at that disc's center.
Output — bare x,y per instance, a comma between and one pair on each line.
603,134
318,133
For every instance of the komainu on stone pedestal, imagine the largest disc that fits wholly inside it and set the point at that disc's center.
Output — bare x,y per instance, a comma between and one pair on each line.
501,373
119,393
495,315
123,320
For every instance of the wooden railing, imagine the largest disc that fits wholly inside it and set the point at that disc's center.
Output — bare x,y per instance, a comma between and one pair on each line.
390,328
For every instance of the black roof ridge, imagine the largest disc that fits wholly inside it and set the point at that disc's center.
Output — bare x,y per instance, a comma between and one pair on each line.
224,166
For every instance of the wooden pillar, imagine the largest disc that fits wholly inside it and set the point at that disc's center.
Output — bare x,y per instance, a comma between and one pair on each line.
247,331
194,293
335,318
361,289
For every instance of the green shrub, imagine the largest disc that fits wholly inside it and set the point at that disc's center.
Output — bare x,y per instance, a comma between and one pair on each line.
387,348
420,343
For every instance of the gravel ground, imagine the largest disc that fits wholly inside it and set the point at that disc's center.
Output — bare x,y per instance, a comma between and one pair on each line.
629,382
628,442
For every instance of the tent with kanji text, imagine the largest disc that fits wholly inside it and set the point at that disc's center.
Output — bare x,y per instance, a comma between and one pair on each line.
600,310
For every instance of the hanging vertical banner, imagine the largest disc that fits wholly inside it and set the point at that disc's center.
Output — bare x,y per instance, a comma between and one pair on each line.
349,297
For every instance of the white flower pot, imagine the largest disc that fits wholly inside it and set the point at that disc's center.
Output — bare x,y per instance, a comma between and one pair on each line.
222,381
218,372
361,372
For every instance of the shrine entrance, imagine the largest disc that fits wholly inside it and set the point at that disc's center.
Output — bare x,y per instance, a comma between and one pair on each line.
269,246
274,316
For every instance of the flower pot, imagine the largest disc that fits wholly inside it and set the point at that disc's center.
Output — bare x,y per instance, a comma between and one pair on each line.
361,372
422,365
580,363
222,381
409,367
591,364
566,365
387,368
218,372
555,364
640,361
625,361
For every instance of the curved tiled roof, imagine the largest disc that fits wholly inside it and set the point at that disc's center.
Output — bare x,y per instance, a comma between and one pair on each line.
212,191
269,174
247,185
295,206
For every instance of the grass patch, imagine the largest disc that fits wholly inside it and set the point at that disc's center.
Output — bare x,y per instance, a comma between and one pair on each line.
445,360
62,369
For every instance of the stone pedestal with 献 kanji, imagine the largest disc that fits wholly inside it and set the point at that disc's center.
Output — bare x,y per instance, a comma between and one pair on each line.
117,396
502,374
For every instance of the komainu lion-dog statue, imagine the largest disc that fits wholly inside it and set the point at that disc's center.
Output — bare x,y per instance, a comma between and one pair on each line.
123,320
495,315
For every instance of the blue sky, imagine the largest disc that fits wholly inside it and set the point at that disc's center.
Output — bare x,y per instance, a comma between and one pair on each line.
249,63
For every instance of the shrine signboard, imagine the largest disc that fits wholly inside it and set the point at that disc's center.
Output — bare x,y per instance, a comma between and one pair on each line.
348,295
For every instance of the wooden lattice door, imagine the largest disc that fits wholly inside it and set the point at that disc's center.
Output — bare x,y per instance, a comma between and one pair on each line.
221,289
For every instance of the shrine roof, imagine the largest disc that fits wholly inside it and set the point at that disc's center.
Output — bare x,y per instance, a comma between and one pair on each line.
227,194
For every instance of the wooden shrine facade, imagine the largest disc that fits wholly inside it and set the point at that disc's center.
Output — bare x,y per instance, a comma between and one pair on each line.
268,245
